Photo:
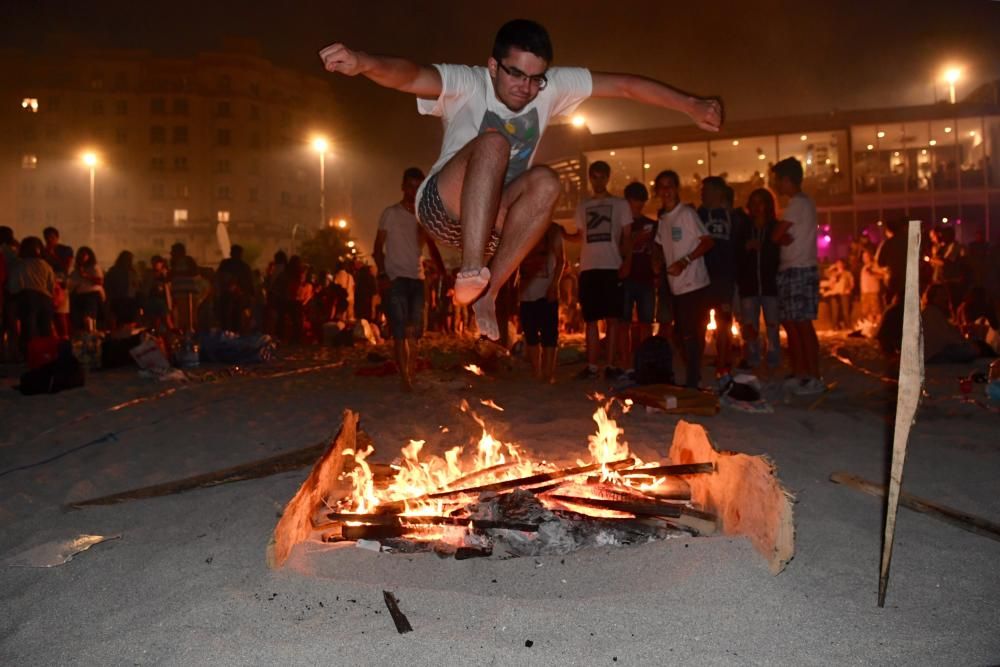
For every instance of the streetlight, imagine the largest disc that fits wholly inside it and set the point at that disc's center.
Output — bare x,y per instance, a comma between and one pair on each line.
321,145
579,120
90,160
952,75
342,223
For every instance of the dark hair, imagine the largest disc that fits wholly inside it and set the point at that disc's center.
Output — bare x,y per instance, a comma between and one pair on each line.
768,198
636,191
525,35
789,168
946,234
236,251
178,248
280,257
599,167
717,182
414,173
124,260
31,246
85,250
729,194
48,231
6,235
668,173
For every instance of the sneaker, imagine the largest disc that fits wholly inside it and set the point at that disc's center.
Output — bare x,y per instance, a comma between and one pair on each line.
588,373
810,387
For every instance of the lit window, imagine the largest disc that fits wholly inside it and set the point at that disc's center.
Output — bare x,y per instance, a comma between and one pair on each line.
180,217
29,161
30,104
222,216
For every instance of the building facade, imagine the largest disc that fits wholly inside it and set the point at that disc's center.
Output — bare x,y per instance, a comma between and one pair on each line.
932,163
181,145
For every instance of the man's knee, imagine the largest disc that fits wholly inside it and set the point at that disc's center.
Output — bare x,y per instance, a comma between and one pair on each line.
544,181
494,142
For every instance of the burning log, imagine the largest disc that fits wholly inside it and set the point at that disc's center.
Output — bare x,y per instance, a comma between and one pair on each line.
635,507
682,469
401,520
398,617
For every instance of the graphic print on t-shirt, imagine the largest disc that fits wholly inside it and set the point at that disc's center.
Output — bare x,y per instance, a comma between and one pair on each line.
522,134
599,223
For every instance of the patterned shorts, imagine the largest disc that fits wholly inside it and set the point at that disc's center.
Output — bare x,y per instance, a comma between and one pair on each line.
442,227
798,294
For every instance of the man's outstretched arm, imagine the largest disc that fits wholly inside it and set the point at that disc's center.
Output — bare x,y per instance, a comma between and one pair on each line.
396,73
706,113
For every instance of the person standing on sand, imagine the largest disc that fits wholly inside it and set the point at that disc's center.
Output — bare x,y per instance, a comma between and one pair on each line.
398,247
538,292
483,195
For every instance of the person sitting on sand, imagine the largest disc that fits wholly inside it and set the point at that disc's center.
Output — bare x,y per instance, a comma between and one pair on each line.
483,195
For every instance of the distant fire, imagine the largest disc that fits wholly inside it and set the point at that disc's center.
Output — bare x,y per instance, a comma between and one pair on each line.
712,326
475,370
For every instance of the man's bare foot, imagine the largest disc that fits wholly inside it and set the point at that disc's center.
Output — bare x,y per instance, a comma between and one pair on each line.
470,284
486,317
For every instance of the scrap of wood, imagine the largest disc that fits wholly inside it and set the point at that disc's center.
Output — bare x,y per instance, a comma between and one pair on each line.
296,522
964,520
744,495
639,509
682,469
398,617
274,465
689,401
911,382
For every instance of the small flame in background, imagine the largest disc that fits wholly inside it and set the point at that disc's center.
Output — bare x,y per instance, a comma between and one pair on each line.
712,326
475,370
490,404
492,460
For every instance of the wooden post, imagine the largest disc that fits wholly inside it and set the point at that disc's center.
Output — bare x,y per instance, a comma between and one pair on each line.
911,382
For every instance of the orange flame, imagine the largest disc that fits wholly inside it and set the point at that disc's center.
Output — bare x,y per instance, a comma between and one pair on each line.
474,369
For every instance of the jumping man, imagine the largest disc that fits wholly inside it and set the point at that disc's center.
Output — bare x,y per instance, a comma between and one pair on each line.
482,194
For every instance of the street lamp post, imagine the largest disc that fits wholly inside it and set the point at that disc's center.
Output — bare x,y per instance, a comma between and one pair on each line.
90,159
952,76
320,145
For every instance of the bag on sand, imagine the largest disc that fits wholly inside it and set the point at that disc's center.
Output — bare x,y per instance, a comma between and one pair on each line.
65,372
654,362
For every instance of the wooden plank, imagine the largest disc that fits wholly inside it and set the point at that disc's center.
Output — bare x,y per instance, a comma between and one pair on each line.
964,520
744,496
296,523
911,382
274,465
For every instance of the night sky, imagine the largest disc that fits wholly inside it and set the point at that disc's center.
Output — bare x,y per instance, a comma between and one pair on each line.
836,55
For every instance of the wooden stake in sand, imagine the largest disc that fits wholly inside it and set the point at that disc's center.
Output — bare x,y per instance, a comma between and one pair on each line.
911,382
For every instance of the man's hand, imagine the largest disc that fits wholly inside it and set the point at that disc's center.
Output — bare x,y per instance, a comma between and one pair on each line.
677,268
339,58
707,114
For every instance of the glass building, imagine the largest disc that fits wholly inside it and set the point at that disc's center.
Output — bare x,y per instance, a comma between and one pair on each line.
932,163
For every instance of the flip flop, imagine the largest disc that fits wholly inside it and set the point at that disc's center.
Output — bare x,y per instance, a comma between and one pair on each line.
470,284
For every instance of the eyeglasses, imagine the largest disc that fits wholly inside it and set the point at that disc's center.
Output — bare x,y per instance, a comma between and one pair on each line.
537,80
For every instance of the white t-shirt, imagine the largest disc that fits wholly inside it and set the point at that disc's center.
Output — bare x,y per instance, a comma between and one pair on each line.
601,219
679,233
468,106
801,252
402,243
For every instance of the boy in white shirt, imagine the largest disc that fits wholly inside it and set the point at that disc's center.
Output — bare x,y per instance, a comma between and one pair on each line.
604,223
482,194
683,240
798,277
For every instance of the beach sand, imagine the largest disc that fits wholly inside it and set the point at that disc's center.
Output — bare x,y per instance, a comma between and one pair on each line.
187,582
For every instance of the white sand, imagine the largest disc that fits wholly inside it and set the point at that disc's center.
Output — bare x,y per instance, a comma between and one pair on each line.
187,583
